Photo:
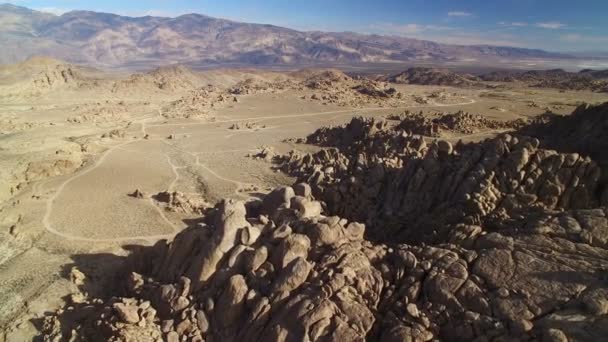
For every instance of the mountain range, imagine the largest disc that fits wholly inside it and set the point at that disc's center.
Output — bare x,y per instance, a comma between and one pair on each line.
112,40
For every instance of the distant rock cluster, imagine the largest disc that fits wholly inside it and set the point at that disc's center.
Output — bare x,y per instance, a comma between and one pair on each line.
335,87
434,76
460,122
591,80
385,237
556,78
197,103
247,125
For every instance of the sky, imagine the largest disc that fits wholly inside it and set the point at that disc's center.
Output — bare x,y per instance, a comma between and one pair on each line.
556,25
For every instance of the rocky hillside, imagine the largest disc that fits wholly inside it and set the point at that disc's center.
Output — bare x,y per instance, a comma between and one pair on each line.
597,74
392,238
555,78
40,75
434,76
172,78
113,40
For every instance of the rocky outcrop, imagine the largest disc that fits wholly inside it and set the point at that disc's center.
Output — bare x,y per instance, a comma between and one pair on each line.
247,125
556,78
256,86
178,202
391,238
291,276
388,178
197,103
434,76
170,79
460,122
54,76
335,87
583,131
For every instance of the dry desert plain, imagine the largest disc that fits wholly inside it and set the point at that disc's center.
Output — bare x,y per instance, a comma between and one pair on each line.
94,165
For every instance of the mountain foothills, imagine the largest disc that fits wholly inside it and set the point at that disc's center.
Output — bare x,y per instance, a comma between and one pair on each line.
113,40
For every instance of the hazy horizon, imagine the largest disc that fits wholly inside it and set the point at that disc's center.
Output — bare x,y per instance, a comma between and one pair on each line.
553,26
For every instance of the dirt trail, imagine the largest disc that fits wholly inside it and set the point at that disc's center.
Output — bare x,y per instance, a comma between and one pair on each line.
175,168
51,200
349,111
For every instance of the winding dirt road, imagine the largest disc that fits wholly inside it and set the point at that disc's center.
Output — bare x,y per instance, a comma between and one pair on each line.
50,203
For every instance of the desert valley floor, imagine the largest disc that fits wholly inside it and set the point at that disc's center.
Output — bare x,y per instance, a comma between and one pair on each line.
95,165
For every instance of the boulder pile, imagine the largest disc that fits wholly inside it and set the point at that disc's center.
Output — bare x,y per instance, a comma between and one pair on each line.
257,86
385,237
555,78
337,88
460,122
167,79
384,176
435,76
56,76
266,153
179,202
198,103
246,125
583,131
99,113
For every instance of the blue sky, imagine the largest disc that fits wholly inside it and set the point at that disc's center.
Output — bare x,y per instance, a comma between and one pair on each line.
558,25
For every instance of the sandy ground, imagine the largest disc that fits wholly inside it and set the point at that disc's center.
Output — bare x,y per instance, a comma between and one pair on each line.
79,212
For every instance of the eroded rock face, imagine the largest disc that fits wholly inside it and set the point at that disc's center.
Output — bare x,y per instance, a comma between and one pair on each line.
500,240
413,191
584,132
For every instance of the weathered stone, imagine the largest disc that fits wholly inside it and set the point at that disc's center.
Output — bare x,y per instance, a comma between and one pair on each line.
292,276
499,240
278,198
229,220
290,248
554,335
596,301
231,302
127,313
302,189
255,259
172,337
306,208
495,267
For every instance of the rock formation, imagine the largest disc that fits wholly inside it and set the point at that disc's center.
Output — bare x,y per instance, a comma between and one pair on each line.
385,237
246,125
197,103
460,122
169,79
556,78
335,87
179,202
434,76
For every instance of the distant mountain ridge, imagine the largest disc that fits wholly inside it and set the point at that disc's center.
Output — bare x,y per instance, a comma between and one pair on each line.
114,40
